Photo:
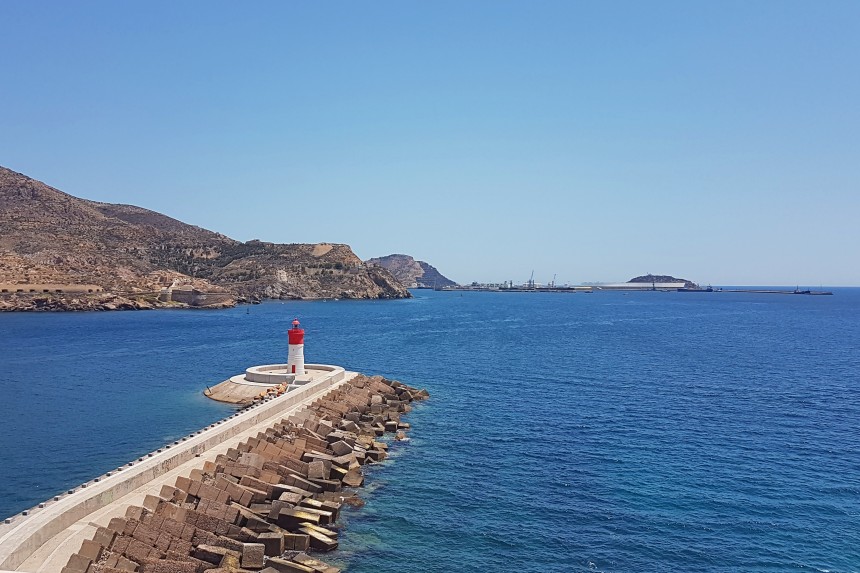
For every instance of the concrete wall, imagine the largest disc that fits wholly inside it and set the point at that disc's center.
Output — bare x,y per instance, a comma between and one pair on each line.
271,374
53,288
25,534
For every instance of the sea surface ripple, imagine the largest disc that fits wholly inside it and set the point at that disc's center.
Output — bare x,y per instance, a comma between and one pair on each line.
602,432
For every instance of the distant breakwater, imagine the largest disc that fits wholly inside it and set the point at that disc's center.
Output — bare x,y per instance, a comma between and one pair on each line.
773,291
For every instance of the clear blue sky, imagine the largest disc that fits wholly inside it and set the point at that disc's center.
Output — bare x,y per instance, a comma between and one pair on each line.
718,141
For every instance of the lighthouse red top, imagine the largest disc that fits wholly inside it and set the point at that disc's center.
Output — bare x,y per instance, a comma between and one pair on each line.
296,334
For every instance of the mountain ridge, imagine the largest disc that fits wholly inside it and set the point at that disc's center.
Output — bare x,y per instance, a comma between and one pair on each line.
50,237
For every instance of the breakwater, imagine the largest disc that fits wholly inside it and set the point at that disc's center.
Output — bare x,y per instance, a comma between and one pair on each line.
269,496
778,291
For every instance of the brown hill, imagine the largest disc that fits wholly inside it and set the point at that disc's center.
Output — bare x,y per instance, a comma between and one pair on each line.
50,237
412,273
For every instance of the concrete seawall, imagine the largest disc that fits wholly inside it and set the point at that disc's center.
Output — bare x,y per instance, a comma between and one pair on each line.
43,538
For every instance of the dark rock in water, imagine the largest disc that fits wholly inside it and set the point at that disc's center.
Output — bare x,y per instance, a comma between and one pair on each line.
354,501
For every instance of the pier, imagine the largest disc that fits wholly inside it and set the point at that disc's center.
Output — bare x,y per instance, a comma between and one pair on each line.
238,493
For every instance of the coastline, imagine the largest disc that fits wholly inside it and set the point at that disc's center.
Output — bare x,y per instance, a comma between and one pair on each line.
97,303
114,302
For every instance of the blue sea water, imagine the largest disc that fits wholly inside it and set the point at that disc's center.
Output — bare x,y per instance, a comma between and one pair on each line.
622,432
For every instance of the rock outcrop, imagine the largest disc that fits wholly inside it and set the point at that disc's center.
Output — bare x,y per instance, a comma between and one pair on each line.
412,273
50,237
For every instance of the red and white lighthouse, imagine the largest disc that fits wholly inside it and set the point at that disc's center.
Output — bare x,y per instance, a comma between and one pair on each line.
296,356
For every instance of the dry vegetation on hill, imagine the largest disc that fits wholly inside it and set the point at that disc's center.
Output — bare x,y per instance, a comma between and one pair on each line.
47,236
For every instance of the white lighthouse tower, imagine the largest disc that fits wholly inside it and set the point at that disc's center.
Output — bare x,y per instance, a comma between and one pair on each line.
296,356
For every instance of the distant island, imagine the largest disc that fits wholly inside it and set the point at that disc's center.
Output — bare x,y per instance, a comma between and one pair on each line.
59,252
411,273
665,279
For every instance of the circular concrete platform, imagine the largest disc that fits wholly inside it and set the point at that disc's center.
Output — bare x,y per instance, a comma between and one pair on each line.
257,381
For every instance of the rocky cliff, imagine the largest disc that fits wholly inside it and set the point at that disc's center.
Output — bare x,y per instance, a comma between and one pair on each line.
412,273
48,237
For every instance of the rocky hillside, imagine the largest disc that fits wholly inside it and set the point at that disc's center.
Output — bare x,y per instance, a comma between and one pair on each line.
662,279
412,273
48,237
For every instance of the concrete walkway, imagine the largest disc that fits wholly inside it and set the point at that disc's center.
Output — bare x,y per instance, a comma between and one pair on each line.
35,546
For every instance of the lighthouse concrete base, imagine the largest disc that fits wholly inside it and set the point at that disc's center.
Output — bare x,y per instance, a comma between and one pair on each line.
259,380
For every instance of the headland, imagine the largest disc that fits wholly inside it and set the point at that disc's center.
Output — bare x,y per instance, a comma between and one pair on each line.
60,252
412,273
